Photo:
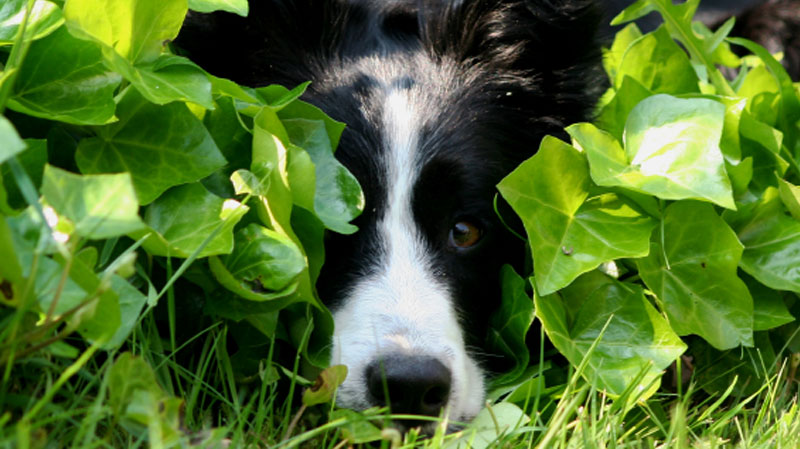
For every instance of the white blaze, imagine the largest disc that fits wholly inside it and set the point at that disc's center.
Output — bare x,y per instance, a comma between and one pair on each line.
402,307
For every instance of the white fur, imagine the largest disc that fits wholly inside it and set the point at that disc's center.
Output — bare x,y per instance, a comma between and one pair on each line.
403,308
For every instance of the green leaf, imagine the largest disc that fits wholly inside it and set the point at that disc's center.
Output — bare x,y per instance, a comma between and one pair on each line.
338,198
771,242
264,264
671,150
612,57
697,285
489,426
161,146
658,64
613,116
637,337
761,133
136,30
131,303
789,112
168,78
569,234
10,270
270,142
93,308
239,7
98,317
356,428
64,79
100,206
790,195
184,217
769,309
45,17
301,110
509,325
635,11
32,160
128,375
245,181
325,386
10,142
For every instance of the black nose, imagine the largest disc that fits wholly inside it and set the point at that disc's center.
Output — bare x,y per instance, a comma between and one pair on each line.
416,385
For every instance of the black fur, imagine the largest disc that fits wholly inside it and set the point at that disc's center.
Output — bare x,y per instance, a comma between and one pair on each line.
496,75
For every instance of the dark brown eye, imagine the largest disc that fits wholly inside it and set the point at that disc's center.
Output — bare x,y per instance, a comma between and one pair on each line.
464,235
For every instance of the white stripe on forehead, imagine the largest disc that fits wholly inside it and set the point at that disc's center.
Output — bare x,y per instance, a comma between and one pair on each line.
402,307
407,269
401,125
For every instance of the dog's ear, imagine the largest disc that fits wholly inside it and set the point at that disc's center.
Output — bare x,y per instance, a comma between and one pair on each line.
518,35
279,41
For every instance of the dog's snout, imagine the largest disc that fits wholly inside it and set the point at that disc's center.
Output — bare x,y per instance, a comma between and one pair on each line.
417,385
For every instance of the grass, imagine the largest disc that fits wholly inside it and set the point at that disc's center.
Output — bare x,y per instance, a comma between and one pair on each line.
93,401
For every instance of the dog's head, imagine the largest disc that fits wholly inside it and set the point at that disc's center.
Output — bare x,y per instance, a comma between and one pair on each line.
441,101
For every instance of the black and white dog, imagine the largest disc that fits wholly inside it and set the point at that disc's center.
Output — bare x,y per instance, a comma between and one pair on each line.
441,100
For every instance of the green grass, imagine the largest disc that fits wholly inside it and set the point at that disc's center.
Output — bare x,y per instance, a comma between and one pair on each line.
59,402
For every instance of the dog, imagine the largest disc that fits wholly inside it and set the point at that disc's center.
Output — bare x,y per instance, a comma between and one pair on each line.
441,101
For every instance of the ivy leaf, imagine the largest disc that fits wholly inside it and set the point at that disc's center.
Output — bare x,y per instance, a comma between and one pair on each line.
64,79
568,234
99,206
658,64
637,337
769,309
790,195
338,198
136,30
45,17
161,146
131,303
490,425
245,181
613,115
635,11
264,264
325,386
93,307
184,217
509,325
771,242
10,142
612,57
697,285
239,7
671,151
166,79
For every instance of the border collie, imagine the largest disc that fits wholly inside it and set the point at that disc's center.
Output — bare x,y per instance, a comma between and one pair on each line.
441,101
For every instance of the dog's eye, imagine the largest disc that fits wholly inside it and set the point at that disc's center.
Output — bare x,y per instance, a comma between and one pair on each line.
464,235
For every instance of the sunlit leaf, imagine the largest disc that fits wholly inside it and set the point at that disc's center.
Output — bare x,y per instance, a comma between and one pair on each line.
64,79
45,17
569,234
671,150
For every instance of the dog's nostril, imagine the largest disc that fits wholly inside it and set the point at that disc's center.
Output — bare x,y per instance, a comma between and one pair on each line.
416,385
